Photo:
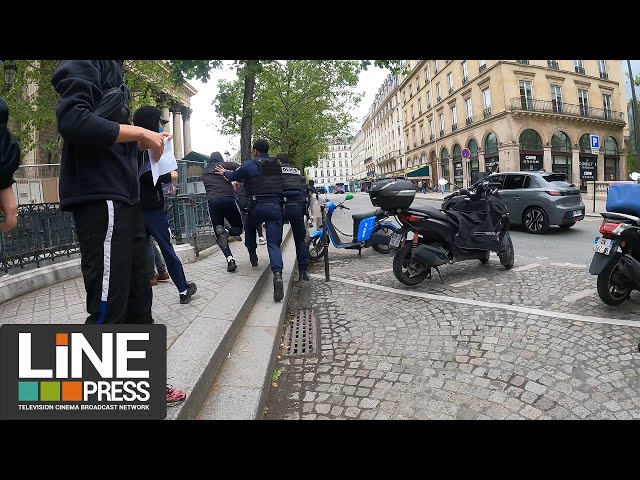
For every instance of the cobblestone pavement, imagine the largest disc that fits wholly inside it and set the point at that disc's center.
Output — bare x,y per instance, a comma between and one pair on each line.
386,355
64,302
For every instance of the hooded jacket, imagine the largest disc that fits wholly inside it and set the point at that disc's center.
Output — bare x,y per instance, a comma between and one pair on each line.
216,185
93,167
9,149
151,196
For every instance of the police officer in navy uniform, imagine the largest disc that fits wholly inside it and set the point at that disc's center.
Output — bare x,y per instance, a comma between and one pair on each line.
293,210
264,183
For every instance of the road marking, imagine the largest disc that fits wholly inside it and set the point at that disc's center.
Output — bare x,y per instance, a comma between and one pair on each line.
479,303
385,270
568,265
542,258
572,297
469,282
525,267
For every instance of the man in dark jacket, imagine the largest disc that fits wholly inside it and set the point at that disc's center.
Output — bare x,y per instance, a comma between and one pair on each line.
222,205
156,223
293,212
99,184
263,179
9,161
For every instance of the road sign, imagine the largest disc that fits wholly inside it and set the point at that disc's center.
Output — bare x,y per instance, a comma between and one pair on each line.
595,144
466,153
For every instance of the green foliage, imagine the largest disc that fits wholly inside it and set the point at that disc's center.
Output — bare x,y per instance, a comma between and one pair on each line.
276,375
298,105
32,99
190,69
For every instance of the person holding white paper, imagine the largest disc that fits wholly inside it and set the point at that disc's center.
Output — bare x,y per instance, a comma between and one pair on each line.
152,203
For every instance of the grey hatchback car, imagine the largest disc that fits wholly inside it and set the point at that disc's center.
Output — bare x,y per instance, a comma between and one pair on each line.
536,199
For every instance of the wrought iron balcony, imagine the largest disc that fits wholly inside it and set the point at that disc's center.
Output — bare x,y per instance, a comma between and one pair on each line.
442,133
483,68
454,127
450,90
469,120
553,64
545,106
432,137
439,98
487,112
422,141
523,62
465,80
580,70
604,75
428,105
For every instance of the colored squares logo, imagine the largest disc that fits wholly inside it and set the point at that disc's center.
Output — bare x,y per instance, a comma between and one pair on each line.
28,391
71,391
62,339
49,391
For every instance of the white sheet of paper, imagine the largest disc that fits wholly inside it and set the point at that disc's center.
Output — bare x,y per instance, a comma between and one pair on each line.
167,162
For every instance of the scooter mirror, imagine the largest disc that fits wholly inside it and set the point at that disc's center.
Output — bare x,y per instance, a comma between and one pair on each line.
348,197
634,176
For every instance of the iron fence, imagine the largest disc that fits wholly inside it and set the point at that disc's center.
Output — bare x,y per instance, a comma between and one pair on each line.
521,103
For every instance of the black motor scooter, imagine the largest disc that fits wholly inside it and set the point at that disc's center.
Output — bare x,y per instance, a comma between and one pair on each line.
616,258
477,226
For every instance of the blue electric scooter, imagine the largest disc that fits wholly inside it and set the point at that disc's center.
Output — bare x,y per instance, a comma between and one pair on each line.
369,230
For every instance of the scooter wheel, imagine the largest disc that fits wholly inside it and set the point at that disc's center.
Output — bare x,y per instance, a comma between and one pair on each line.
315,249
610,293
384,249
401,270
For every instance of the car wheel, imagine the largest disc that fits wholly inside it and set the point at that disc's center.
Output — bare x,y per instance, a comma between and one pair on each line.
567,225
535,220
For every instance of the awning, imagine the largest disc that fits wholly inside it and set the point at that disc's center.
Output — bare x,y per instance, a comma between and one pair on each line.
420,172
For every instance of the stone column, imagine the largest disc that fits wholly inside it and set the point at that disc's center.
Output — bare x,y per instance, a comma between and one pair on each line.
600,167
547,161
165,115
186,118
575,166
482,166
177,134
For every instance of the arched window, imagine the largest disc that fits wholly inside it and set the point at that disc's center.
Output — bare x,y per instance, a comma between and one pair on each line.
530,140
458,176
585,144
457,152
444,159
611,158
491,144
561,154
491,159
560,142
473,165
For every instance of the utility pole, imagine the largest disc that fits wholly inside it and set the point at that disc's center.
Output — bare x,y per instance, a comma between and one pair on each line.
634,109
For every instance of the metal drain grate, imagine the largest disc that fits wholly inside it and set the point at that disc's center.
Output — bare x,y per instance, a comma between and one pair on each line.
302,335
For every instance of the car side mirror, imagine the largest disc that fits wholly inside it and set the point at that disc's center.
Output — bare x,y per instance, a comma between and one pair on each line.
349,196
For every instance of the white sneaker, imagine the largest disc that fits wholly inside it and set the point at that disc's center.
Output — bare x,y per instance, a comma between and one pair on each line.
262,241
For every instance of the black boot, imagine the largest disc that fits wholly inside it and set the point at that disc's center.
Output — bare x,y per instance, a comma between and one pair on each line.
253,258
231,265
302,275
278,286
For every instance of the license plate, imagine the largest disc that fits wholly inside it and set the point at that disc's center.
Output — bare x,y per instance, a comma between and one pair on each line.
394,242
603,245
577,213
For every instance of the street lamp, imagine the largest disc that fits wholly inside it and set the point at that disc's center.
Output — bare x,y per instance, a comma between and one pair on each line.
10,70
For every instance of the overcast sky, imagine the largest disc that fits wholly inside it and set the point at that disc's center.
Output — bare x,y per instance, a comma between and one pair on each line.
205,137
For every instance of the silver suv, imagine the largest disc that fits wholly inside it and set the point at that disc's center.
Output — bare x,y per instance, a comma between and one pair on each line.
536,199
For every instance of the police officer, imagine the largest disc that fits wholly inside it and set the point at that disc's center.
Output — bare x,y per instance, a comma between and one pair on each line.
293,212
263,180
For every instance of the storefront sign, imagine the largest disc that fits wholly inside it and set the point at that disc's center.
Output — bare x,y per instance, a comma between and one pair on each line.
530,162
457,172
588,169
491,164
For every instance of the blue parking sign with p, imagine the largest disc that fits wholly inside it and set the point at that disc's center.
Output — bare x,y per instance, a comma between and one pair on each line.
595,141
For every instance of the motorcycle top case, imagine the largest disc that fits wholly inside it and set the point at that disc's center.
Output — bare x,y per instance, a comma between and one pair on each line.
624,198
392,194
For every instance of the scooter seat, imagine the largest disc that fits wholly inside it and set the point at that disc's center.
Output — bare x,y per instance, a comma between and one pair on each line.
362,216
432,212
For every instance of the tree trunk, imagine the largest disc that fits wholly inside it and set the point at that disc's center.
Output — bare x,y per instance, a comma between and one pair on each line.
247,115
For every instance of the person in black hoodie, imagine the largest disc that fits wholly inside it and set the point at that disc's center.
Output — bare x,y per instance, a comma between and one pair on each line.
9,161
152,203
99,185
222,205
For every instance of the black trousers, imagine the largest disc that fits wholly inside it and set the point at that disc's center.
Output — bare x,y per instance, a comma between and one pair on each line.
221,208
113,245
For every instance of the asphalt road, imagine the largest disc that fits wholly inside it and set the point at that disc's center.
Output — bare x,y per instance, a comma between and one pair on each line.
574,245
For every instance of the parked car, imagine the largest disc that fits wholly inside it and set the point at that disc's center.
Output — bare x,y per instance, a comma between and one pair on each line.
339,190
536,199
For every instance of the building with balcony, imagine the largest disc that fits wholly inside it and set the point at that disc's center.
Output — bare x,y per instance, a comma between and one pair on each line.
514,115
334,170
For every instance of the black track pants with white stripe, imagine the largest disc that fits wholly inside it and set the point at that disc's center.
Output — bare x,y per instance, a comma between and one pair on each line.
113,244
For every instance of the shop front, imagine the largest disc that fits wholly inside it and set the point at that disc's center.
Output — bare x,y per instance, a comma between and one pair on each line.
491,159
531,153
